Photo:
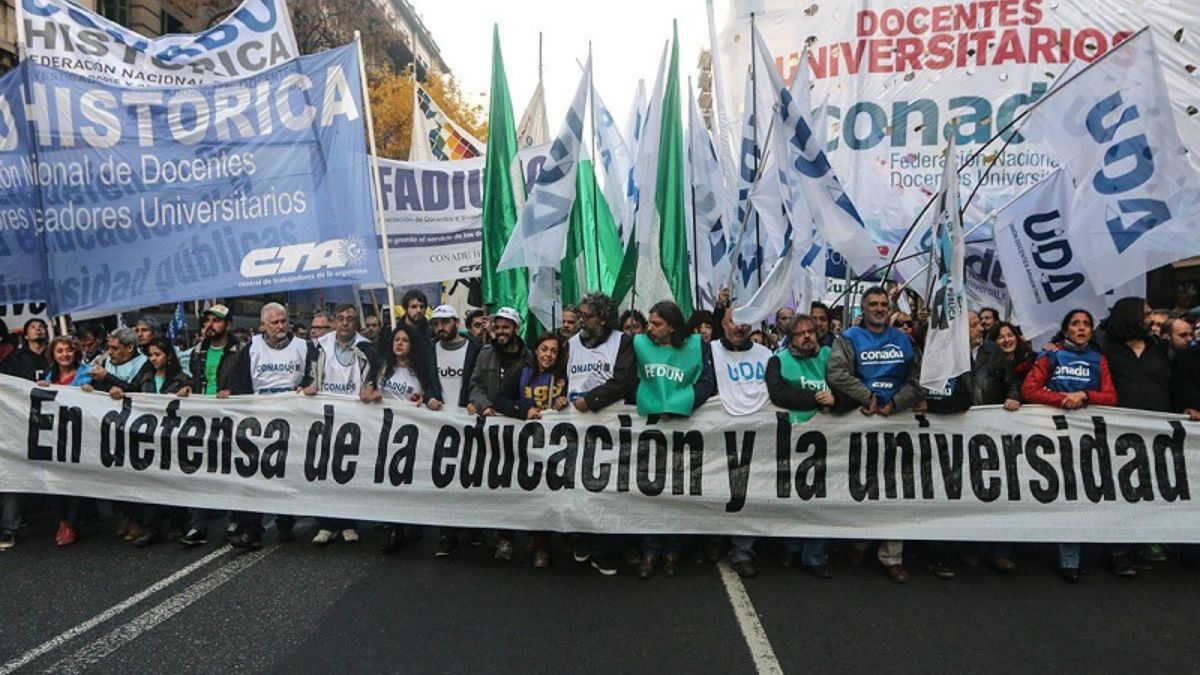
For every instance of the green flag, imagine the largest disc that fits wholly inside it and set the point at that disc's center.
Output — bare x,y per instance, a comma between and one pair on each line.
594,253
501,178
670,197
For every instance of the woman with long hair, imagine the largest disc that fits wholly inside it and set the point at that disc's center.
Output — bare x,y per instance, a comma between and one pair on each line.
525,393
1071,376
66,369
675,376
405,371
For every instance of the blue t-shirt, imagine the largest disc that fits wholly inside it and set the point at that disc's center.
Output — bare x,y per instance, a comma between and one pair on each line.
882,360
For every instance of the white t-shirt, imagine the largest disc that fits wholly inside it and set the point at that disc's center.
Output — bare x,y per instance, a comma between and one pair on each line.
401,386
338,378
274,371
590,368
451,363
741,378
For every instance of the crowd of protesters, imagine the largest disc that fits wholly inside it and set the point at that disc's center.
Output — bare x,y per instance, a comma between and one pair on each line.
804,363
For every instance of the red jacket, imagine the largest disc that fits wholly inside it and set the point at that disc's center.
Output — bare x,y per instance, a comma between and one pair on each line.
1034,390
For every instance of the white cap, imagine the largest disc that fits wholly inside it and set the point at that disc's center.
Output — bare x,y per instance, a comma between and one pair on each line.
444,312
508,313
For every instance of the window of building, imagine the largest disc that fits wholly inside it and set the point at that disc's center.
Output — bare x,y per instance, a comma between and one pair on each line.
170,24
116,11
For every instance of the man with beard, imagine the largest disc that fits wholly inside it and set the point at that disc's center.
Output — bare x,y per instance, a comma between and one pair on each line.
276,362
796,381
505,352
455,354
478,325
14,363
601,370
371,327
37,336
343,361
414,303
874,367
741,367
211,370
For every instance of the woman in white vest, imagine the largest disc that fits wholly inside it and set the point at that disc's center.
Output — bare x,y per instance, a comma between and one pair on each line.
406,374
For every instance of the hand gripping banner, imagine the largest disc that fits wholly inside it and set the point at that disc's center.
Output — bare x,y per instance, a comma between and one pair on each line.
1039,474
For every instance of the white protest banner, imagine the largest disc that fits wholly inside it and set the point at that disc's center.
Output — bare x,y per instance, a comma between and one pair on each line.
255,37
1045,275
433,212
1038,474
896,73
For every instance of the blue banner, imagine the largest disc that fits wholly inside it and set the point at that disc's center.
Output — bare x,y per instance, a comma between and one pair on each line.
157,195
22,264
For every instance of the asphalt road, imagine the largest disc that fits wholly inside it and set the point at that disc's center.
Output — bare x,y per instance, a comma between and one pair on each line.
103,606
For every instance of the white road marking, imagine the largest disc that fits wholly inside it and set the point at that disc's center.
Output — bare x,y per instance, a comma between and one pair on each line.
71,634
91,654
761,651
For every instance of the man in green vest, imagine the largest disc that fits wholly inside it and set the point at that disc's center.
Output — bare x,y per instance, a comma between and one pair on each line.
675,376
674,367
796,382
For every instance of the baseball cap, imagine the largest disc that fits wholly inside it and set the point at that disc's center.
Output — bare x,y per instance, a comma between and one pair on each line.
444,312
508,313
219,311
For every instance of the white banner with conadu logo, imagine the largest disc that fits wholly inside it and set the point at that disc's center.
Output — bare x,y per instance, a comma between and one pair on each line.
1100,474
254,37
433,215
898,76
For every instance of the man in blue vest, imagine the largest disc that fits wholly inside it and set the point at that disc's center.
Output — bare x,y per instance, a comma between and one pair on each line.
874,367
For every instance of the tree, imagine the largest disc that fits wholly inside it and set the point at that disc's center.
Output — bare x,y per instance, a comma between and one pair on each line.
392,106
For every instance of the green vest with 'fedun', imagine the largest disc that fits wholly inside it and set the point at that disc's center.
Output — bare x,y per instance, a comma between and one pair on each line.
666,375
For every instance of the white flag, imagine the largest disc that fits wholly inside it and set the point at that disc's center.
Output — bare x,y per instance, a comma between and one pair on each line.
1045,275
635,123
534,129
711,205
1136,204
807,167
539,238
948,340
617,162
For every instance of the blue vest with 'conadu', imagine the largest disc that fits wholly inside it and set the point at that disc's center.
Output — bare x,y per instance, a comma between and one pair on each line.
1074,371
882,360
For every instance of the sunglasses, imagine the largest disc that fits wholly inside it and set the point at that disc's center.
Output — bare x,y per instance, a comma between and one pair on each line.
903,324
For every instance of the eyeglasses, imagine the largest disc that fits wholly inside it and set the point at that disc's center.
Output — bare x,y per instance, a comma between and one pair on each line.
586,315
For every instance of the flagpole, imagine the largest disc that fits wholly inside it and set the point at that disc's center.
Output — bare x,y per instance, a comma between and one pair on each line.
1019,118
375,196
749,210
754,130
695,239
595,184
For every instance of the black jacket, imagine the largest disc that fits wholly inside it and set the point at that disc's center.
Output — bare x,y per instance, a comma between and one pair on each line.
490,366
995,376
19,364
143,382
1185,380
41,363
199,380
1142,382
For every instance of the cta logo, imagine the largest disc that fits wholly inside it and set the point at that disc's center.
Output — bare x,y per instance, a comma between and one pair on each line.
332,254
